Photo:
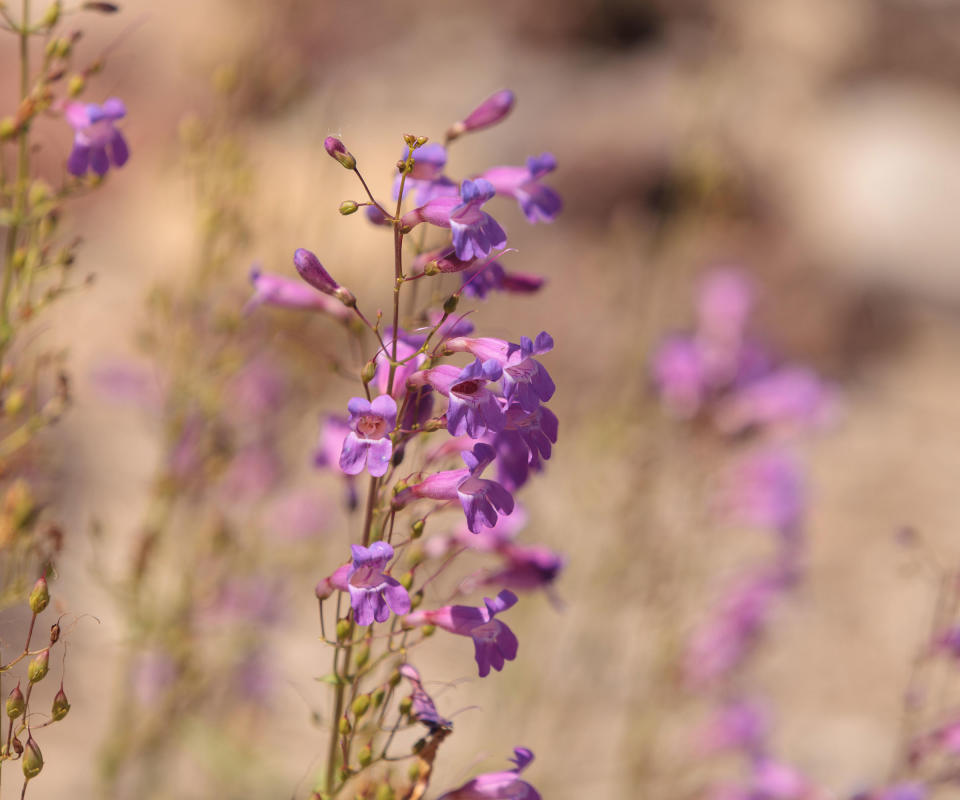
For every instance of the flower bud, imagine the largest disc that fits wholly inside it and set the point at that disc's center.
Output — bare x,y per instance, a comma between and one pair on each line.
421,141
377,697
368,371
39,596
54,633
410,140
385,792
337,151
488,113
450,304
8,128
413,772
405,705
348,207
394,677
365,756
362,655
15,702
360,705
415,600
428,630
312,271
103,8
52,15
344,726
17,746
32,760
407,581
418,529
343,629
60,705
39,667
75,85
13,403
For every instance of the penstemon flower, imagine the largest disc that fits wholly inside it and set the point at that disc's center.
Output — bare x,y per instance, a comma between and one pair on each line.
368,444
539,203
96,141
506,785
373,593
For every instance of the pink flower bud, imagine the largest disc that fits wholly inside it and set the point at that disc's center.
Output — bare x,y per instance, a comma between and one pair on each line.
338,152
488,113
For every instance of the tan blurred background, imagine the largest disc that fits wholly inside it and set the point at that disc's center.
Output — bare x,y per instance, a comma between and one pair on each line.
814,142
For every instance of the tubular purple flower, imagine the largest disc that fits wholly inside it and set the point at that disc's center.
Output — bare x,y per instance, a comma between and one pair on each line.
373,593
312,271
275,290
405,349
765,489
538,429
339,153
96,142
738,725
724,305
525,381
494,643
368,443
475,233
489,112
679,376
422,707
526,567
481,499
473,409
505,785
793,398
539,203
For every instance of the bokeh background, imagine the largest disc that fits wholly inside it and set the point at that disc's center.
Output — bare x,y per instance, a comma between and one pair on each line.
811,142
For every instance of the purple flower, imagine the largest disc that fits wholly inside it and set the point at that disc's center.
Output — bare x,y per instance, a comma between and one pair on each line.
422,705
526,567
766,489
724,305
790,397
488,113
275,290
95,136
373,593
478,280
538,429
482,500
539,203
473,409
475,233
504,785
494,643
405,350
339,153
679,376
525,381
368,443
904,791
773,780
737,725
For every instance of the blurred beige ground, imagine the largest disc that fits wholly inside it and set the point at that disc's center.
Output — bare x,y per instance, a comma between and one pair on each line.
812,141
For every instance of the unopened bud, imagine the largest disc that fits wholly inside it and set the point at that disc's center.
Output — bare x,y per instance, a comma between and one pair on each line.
312,271
450,304
362,656
421,141
394,677
103,8
488,113
39,667
377,697
8,129
13,402
428,630
405,705
365,756
368,371
15,702
64,47
415,600
345,296
344,726
39,596
32,759
60,705
417,527
343,629
414,770
385,792
336,150
75,85
51,16
360,705
409,140
348,207
407,581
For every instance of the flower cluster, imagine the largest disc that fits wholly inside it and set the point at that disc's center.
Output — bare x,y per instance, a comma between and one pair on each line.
428,373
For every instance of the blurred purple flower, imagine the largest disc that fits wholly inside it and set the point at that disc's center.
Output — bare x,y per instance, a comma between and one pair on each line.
422,706
765,489
738,725
373,593
679,376
489,112
96,141
297,515
790,397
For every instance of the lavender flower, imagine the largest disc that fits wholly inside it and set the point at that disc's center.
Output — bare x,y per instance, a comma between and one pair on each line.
422,705
368,444
539,203
494,643
473,409
766,489
525,381
526,567
478,280
481,499
737,725
373,593
475,233
679,375
275,290
790,397
96,141
505,785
